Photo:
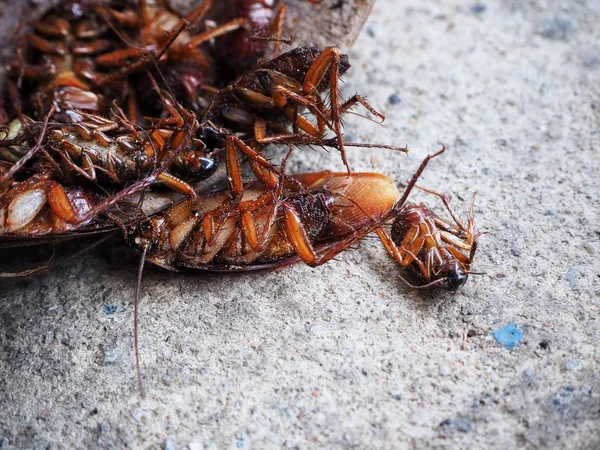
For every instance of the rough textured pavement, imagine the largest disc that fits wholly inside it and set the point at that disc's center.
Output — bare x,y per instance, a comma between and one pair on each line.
345,356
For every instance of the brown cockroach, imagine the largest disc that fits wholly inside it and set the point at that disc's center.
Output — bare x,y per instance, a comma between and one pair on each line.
436,252
175,43
267,227
191,67
264,102
40,206
55,65
115,153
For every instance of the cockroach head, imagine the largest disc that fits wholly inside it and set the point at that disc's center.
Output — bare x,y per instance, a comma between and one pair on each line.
453,274
144,236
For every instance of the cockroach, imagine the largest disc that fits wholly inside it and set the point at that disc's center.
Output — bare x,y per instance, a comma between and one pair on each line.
267,227
161,35
267,100
55,65
434,251
40,206
191,67
116,153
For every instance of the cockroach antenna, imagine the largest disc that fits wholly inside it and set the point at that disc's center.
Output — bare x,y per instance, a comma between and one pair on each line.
136,334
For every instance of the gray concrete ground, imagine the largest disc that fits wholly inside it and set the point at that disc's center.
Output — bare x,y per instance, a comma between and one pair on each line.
345,356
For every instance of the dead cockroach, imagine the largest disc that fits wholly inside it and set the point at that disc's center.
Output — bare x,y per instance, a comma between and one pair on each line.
436,252
40,206
55,61
264,102
116,153
174,43
267,227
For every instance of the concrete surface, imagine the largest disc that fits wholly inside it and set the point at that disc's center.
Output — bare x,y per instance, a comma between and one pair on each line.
345,356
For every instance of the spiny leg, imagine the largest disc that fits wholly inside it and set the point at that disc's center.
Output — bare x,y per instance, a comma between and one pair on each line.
446,202
328,61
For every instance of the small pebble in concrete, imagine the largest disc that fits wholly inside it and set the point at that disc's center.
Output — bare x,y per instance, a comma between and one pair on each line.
509,336
461,424
570,366
572,278
394,99
111,356
240,443
550,212
590,248
478,8
169,444
556,29
563,395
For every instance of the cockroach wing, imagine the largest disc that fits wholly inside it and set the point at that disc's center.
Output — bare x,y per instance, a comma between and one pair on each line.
360,199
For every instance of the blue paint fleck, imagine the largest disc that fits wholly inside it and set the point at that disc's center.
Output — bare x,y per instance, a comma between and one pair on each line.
509,336
110,309
240,443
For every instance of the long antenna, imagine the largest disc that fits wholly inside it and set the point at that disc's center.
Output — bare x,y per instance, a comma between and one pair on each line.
136,334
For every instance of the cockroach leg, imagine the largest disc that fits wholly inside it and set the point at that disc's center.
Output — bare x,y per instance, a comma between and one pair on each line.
277,28
30,153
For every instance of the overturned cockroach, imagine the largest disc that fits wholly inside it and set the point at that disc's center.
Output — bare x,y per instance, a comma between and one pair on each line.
115,153
40,206
176,44
55,61
436,252
267,227
263,103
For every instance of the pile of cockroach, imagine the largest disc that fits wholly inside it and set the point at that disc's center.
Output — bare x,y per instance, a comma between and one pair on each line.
121,117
